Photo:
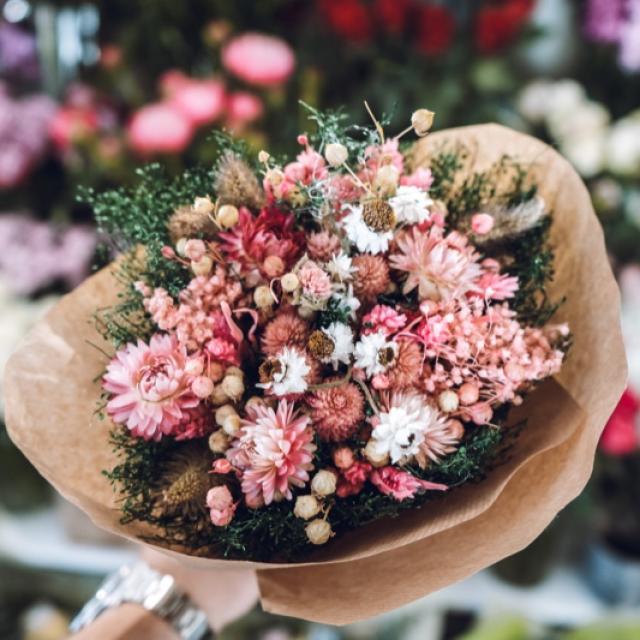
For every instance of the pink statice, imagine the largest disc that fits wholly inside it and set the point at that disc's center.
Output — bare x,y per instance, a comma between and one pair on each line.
273,453
222,508
421,178
383,318
256,238
150,389
197,317
440,266
401,485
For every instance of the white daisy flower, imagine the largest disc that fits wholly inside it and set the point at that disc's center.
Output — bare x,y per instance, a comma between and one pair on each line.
362,236
288,373
342,337
411,204
374,353
347,299
402,429
340,267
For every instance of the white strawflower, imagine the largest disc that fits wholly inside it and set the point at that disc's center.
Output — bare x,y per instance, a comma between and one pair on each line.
341,267
362,236
411,204
401,430
347,299
289,371
374,353
342,338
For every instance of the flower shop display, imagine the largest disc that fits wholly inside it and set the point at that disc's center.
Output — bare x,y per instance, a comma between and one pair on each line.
336,369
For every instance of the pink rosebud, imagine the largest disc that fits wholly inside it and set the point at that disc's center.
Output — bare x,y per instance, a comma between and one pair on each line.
469,393
159,128
221,506
302,139
243,108
380,381
222,465
202,387
482,223
480,413
194,249
343,457
199,101
194,367
259,59
168,252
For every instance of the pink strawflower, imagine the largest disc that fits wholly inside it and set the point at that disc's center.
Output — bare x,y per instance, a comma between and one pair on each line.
159,128
286,329
322,245
383,318
407,365
495,286
401,485
308,167
336,412
351,481
421,178
243,108
151,392
314,281
439,266
273,453
371,278
199,101
259,59
221,506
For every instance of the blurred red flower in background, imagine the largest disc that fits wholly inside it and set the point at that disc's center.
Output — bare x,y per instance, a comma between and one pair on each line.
620,436
436,28
498,24
392,14
349,18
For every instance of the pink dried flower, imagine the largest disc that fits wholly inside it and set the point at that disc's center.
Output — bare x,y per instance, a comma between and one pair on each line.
481,223
401,485
259,59
376,156
159,128
439,441
385,319
273,453
151,392
351,480
221,506
371,278
308,167
323,245
421,178
194,249
222,466
407,366
243,108
336,411
343,458
196,423
315,282
495,286
286,329
441,267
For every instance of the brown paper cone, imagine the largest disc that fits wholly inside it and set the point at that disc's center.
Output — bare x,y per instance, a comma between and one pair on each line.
51,399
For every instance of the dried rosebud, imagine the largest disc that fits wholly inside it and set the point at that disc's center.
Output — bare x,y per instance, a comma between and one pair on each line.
422,121
263,156
233,386
318,531
203,205
228,216
336,154
343,457
469,393
181,245
290,282
373,455
202,387
231,425
481,223
218,441
273,266
219,396
223,412
203,266
448,401
306,507
263,297
324,483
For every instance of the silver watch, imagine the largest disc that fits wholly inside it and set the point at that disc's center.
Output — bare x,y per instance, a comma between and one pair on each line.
158,593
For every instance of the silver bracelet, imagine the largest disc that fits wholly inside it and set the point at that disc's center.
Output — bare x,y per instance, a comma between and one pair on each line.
158,593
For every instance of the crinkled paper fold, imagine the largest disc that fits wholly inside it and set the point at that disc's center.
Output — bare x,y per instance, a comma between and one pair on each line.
51,396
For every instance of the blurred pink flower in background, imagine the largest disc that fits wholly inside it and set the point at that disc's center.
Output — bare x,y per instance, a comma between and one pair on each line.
259,59
72,124
199,101
243,108
159,128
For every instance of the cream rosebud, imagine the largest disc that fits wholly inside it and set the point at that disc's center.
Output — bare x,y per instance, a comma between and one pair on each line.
235,371
203,266
324,483
306,507
181,246
263,156
202,386
469,393
223,412
274,177
228,216
343,457
231,425
482,223
203,205
290,282
422,121
233,386
386,180
218,396
336,154
448,401
263,297
318,531
372,454
273,266
218,441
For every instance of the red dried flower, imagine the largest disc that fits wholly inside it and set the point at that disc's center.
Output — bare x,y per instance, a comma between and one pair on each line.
436,28
392,14
337,412
498,25
352,480
349,18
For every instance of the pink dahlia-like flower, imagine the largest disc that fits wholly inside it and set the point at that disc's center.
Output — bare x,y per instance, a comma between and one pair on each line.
383,318
159,128
199,101
323,245
401,485
371,278
243,108
286,330
337,412
254,239
221,506
150,389
439,266
259,59
272,453
314,281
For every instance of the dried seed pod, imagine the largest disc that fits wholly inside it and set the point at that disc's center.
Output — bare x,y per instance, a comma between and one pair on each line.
185,222
235,183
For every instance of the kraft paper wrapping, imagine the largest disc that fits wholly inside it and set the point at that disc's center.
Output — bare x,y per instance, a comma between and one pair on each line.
51,400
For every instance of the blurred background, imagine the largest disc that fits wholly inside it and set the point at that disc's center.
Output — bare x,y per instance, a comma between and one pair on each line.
89,90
